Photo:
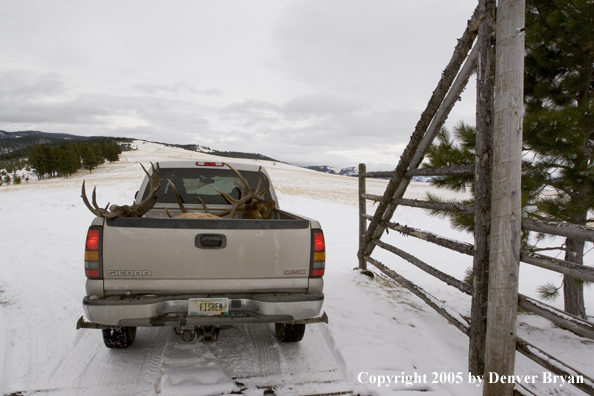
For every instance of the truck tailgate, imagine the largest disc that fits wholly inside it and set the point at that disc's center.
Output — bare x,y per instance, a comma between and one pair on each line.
150,255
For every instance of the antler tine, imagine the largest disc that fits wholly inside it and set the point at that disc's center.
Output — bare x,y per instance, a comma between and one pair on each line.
86,201
203,205
236,203
154,186
135,210
267,189
178,197
228,197
153,178
94,200
243,180
258,186
245,196
258,195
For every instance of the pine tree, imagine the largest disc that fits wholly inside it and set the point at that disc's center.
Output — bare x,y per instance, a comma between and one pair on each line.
38,161
62,160
559,119
74,163
112,152
90,156
453,151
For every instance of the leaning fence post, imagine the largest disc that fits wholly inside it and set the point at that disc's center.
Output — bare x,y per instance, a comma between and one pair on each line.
362,212
506,209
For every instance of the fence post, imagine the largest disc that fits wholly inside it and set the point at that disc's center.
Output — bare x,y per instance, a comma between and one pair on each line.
362,212
482,188
506,210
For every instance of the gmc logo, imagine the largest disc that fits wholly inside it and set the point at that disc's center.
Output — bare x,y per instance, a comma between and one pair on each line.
128,273
295,272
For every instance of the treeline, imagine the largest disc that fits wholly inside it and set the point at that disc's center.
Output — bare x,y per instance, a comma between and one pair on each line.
64,160
229,154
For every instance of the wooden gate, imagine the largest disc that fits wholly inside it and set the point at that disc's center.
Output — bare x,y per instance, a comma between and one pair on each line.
496,255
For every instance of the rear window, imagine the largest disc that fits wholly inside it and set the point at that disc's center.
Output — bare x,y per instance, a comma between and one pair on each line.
191,183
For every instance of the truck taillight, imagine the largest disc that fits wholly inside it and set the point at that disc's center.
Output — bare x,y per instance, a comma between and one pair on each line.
93,263
319,254
93,239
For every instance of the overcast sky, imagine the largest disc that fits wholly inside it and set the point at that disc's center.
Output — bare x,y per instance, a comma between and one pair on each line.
310,82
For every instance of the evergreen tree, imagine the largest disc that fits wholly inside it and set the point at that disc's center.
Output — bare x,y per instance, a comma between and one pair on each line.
74,163
453,151
559,119
63,166
38,161
90,156
558,129
112,152
101,148
51,160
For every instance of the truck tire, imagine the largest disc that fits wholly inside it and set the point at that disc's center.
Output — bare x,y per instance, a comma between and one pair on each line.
287,332
119,337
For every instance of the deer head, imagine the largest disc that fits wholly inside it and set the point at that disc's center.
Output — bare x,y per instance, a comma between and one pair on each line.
135,210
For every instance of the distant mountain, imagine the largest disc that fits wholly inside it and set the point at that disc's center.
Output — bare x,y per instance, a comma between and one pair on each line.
425,179
38,134
352,171
230,154
18,144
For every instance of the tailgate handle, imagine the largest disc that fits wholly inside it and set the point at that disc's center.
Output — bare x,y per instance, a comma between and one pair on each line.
211,241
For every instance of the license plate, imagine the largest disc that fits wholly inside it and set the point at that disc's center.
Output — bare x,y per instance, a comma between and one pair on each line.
208,306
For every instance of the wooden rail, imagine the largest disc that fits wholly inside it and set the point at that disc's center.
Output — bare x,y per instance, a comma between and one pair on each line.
495,254
569,322
567,230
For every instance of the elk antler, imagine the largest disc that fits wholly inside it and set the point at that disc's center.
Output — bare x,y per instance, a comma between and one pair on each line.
189,215
135,210
246,195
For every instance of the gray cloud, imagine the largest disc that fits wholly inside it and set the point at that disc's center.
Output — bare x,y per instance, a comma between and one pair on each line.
308,82
20,84
320,105
175,88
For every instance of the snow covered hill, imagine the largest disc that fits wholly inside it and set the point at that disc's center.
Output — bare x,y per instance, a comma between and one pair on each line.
354,172
351,171
375,328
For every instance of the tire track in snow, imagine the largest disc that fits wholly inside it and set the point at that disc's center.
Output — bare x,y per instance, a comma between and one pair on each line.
90,369
249,360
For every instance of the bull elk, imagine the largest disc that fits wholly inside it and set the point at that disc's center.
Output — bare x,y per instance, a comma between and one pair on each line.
252,204
135,210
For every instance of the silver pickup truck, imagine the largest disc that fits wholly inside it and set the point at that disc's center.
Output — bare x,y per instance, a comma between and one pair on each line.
199,275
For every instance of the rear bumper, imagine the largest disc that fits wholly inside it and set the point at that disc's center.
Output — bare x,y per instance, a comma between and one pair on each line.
172,310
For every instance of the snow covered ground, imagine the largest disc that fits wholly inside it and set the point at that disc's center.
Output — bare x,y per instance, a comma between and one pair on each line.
375,328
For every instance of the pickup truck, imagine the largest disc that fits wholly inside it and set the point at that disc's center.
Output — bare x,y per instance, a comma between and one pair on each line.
199,275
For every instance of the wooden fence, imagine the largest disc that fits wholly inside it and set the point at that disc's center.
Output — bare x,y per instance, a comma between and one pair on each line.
464,61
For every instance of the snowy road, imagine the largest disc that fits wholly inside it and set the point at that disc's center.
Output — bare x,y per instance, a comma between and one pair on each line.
245,360
375,327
